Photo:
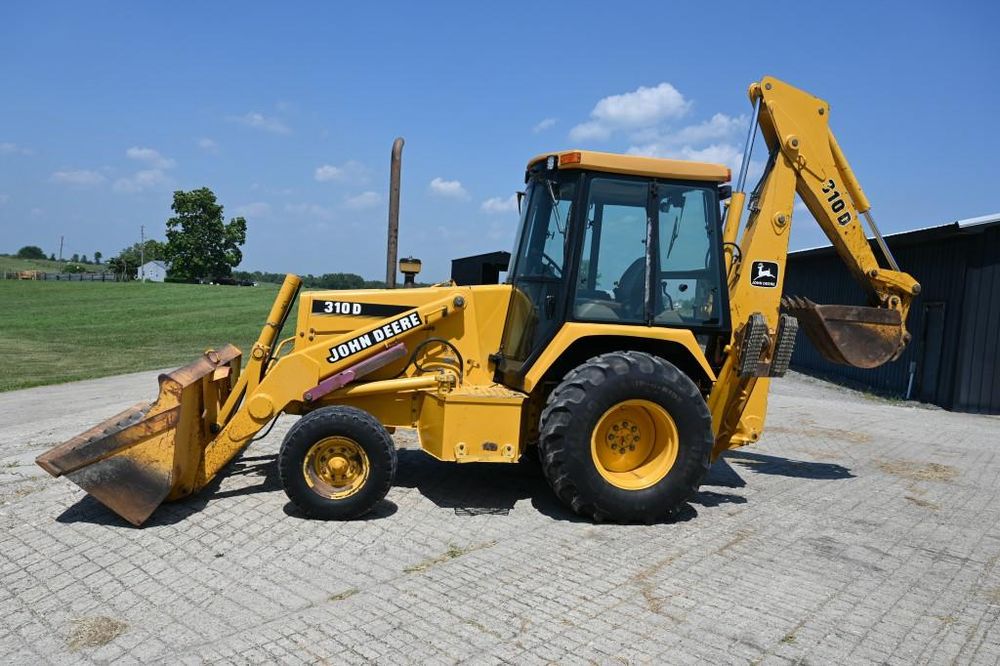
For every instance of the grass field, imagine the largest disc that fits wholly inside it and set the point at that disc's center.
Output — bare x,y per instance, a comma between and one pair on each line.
15,264
52,332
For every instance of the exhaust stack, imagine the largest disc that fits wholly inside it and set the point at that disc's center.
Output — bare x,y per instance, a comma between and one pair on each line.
392,249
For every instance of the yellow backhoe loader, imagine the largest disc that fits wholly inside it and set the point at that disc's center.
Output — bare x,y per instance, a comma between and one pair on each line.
633,343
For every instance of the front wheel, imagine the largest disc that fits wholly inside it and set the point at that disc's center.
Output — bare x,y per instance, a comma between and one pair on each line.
626,437
337,463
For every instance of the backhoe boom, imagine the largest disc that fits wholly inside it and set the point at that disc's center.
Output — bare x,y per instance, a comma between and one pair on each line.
805,158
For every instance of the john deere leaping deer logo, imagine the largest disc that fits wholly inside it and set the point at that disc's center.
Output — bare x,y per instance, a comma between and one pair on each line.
764,274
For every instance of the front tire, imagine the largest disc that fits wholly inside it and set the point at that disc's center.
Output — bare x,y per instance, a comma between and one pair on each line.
626,437
337,463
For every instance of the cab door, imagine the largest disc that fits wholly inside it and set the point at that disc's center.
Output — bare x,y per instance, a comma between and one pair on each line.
540,269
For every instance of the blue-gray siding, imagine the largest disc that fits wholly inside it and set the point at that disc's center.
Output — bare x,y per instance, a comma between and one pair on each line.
957,268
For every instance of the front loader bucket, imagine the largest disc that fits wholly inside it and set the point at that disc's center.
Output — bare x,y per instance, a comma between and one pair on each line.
150,452
863,337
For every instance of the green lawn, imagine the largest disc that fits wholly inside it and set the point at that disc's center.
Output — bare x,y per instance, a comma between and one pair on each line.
52,332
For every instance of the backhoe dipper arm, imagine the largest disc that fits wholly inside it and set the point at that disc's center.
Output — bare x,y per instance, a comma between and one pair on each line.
797,124
803,157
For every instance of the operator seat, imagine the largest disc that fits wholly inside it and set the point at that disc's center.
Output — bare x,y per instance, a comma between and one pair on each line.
630,291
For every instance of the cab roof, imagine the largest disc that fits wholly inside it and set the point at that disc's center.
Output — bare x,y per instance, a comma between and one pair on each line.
638,166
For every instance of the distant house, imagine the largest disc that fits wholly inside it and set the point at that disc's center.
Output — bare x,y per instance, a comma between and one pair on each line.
153,271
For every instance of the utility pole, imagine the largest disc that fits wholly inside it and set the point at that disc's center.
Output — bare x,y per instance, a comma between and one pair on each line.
60,247
142,252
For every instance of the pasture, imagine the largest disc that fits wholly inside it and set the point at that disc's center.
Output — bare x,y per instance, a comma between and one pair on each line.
53,332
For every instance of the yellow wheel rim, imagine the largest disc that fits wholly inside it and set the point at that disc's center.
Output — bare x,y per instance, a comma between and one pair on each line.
634,444
336,467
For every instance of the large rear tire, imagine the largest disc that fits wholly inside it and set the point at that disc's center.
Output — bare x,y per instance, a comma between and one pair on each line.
337,463
625,437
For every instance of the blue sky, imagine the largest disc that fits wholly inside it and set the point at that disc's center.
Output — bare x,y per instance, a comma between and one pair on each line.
288,111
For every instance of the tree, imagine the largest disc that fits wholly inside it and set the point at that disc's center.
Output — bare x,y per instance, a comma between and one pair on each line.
84,260
52,257
75,258
200,243
97,257
30,252
128,260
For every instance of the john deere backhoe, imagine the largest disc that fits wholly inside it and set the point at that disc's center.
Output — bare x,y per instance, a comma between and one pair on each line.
633,343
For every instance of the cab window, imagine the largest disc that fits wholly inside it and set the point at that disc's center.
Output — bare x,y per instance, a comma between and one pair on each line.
688,275
610,283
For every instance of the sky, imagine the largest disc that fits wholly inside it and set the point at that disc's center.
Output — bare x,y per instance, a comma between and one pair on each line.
287,111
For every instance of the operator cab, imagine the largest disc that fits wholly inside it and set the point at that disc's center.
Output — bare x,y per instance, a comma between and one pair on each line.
615,240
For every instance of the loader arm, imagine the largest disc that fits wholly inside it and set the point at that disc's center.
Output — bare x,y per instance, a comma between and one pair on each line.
209,411
803,158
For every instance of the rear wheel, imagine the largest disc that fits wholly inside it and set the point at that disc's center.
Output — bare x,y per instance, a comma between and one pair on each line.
627,437
337,463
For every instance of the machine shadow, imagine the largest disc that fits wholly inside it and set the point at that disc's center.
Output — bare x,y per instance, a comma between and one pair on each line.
468,489
264,467
490,488
801,469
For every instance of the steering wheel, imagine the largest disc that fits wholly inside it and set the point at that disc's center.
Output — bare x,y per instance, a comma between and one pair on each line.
551,263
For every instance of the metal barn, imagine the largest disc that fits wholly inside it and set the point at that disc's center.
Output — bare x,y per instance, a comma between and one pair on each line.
954,357
479,268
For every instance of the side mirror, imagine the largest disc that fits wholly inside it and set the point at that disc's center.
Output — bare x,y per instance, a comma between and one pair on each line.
520,198
725,191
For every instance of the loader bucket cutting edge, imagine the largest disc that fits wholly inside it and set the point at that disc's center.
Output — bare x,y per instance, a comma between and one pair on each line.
863,337
135,460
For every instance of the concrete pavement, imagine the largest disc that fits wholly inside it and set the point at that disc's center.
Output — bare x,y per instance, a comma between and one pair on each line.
856,531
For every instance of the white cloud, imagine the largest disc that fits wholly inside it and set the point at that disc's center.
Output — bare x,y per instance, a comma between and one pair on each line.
261,122
349,171
151,157
141,181
719,127
364,200
641,108
7,148
310,210
708,141
543,125
208,145
328,172
255,209
448,188
500,204
77,177
723,153
150,178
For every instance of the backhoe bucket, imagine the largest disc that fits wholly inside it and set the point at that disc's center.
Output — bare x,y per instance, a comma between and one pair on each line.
863,337
150,452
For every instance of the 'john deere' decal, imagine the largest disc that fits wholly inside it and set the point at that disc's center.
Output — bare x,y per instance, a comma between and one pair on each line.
380,334
764,274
